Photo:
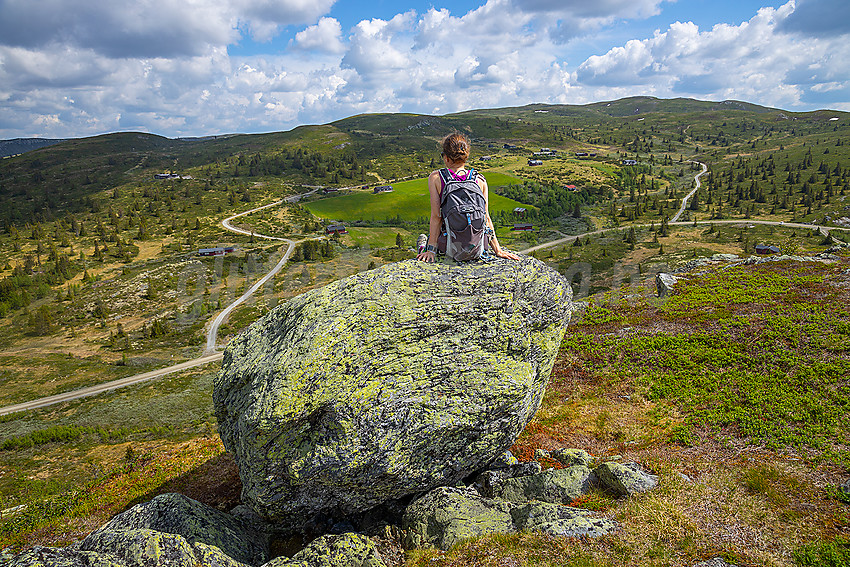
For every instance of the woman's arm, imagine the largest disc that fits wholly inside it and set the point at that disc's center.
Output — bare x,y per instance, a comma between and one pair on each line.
494,242
436,221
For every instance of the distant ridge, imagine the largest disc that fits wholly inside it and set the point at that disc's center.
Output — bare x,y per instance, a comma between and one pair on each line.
23,145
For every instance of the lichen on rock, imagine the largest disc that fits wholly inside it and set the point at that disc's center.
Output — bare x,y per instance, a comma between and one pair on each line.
625,479
551,485
388,383
196,522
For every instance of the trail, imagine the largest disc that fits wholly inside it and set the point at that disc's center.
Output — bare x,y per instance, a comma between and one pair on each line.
210,354
824,230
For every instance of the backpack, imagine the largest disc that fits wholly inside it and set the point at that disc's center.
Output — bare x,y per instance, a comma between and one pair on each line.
463,209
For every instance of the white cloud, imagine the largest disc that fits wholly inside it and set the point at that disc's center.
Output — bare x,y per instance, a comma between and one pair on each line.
819,18
379,46
751,61
57,81
149,28
326,37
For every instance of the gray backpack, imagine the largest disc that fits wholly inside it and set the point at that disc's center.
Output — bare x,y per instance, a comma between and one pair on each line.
463,209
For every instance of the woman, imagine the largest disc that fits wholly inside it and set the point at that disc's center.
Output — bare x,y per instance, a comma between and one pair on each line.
455,153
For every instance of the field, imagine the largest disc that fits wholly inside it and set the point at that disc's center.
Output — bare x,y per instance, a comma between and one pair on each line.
734,390
408,201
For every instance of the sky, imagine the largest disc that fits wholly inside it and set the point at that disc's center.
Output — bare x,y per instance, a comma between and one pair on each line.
74,68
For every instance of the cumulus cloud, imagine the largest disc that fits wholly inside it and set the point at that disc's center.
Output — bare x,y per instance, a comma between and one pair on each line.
378,46
326,36
148,28
749,61
59,78
819,18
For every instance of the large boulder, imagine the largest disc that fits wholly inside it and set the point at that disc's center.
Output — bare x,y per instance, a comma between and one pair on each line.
388,383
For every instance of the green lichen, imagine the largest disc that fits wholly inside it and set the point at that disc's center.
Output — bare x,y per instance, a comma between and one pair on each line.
445,516
624,480
388,383
142,548
197,523
552,485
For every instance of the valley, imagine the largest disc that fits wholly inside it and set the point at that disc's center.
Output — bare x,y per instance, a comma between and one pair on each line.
101,279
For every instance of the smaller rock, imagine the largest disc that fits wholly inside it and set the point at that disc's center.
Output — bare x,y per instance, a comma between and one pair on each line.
344,550
664,283
444,516
845,488
52,557
624,479
196,522
487,482
715,562
142,548
541,454
503,461
552,485
560,520
570,457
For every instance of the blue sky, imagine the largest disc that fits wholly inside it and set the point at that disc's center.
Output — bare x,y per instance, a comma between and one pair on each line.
196,67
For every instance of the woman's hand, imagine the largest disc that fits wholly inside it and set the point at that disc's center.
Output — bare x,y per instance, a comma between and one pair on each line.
505,254
427,256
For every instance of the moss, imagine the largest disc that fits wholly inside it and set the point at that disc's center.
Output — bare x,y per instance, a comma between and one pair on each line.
388,382
552,485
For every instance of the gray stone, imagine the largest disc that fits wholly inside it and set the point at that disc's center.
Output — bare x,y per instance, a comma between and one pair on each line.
487,482
388,383
624,479
570,457
346,550
664,284
560,520
552,485
445,516
142,548
52,557
197,523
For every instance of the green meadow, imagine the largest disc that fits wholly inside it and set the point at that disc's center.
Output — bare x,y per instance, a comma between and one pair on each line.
409,200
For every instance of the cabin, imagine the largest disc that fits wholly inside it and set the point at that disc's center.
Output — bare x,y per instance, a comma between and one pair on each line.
519,211
629,162
534,162
219,251
767,249
383,189
166,176
581,154
329,190
523,226
572,188
337,228
509,147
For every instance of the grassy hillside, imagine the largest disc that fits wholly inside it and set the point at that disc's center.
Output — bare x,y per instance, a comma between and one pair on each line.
744,421
738,382
409,200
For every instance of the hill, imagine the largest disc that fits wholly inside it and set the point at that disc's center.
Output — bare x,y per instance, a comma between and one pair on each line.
23,145
738,382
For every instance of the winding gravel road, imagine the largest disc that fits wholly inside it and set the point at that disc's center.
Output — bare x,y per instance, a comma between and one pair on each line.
210,354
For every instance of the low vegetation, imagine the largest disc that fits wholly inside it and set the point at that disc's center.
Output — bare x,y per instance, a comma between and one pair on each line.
734,390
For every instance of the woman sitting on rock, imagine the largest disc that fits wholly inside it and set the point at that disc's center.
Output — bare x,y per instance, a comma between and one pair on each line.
460,225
